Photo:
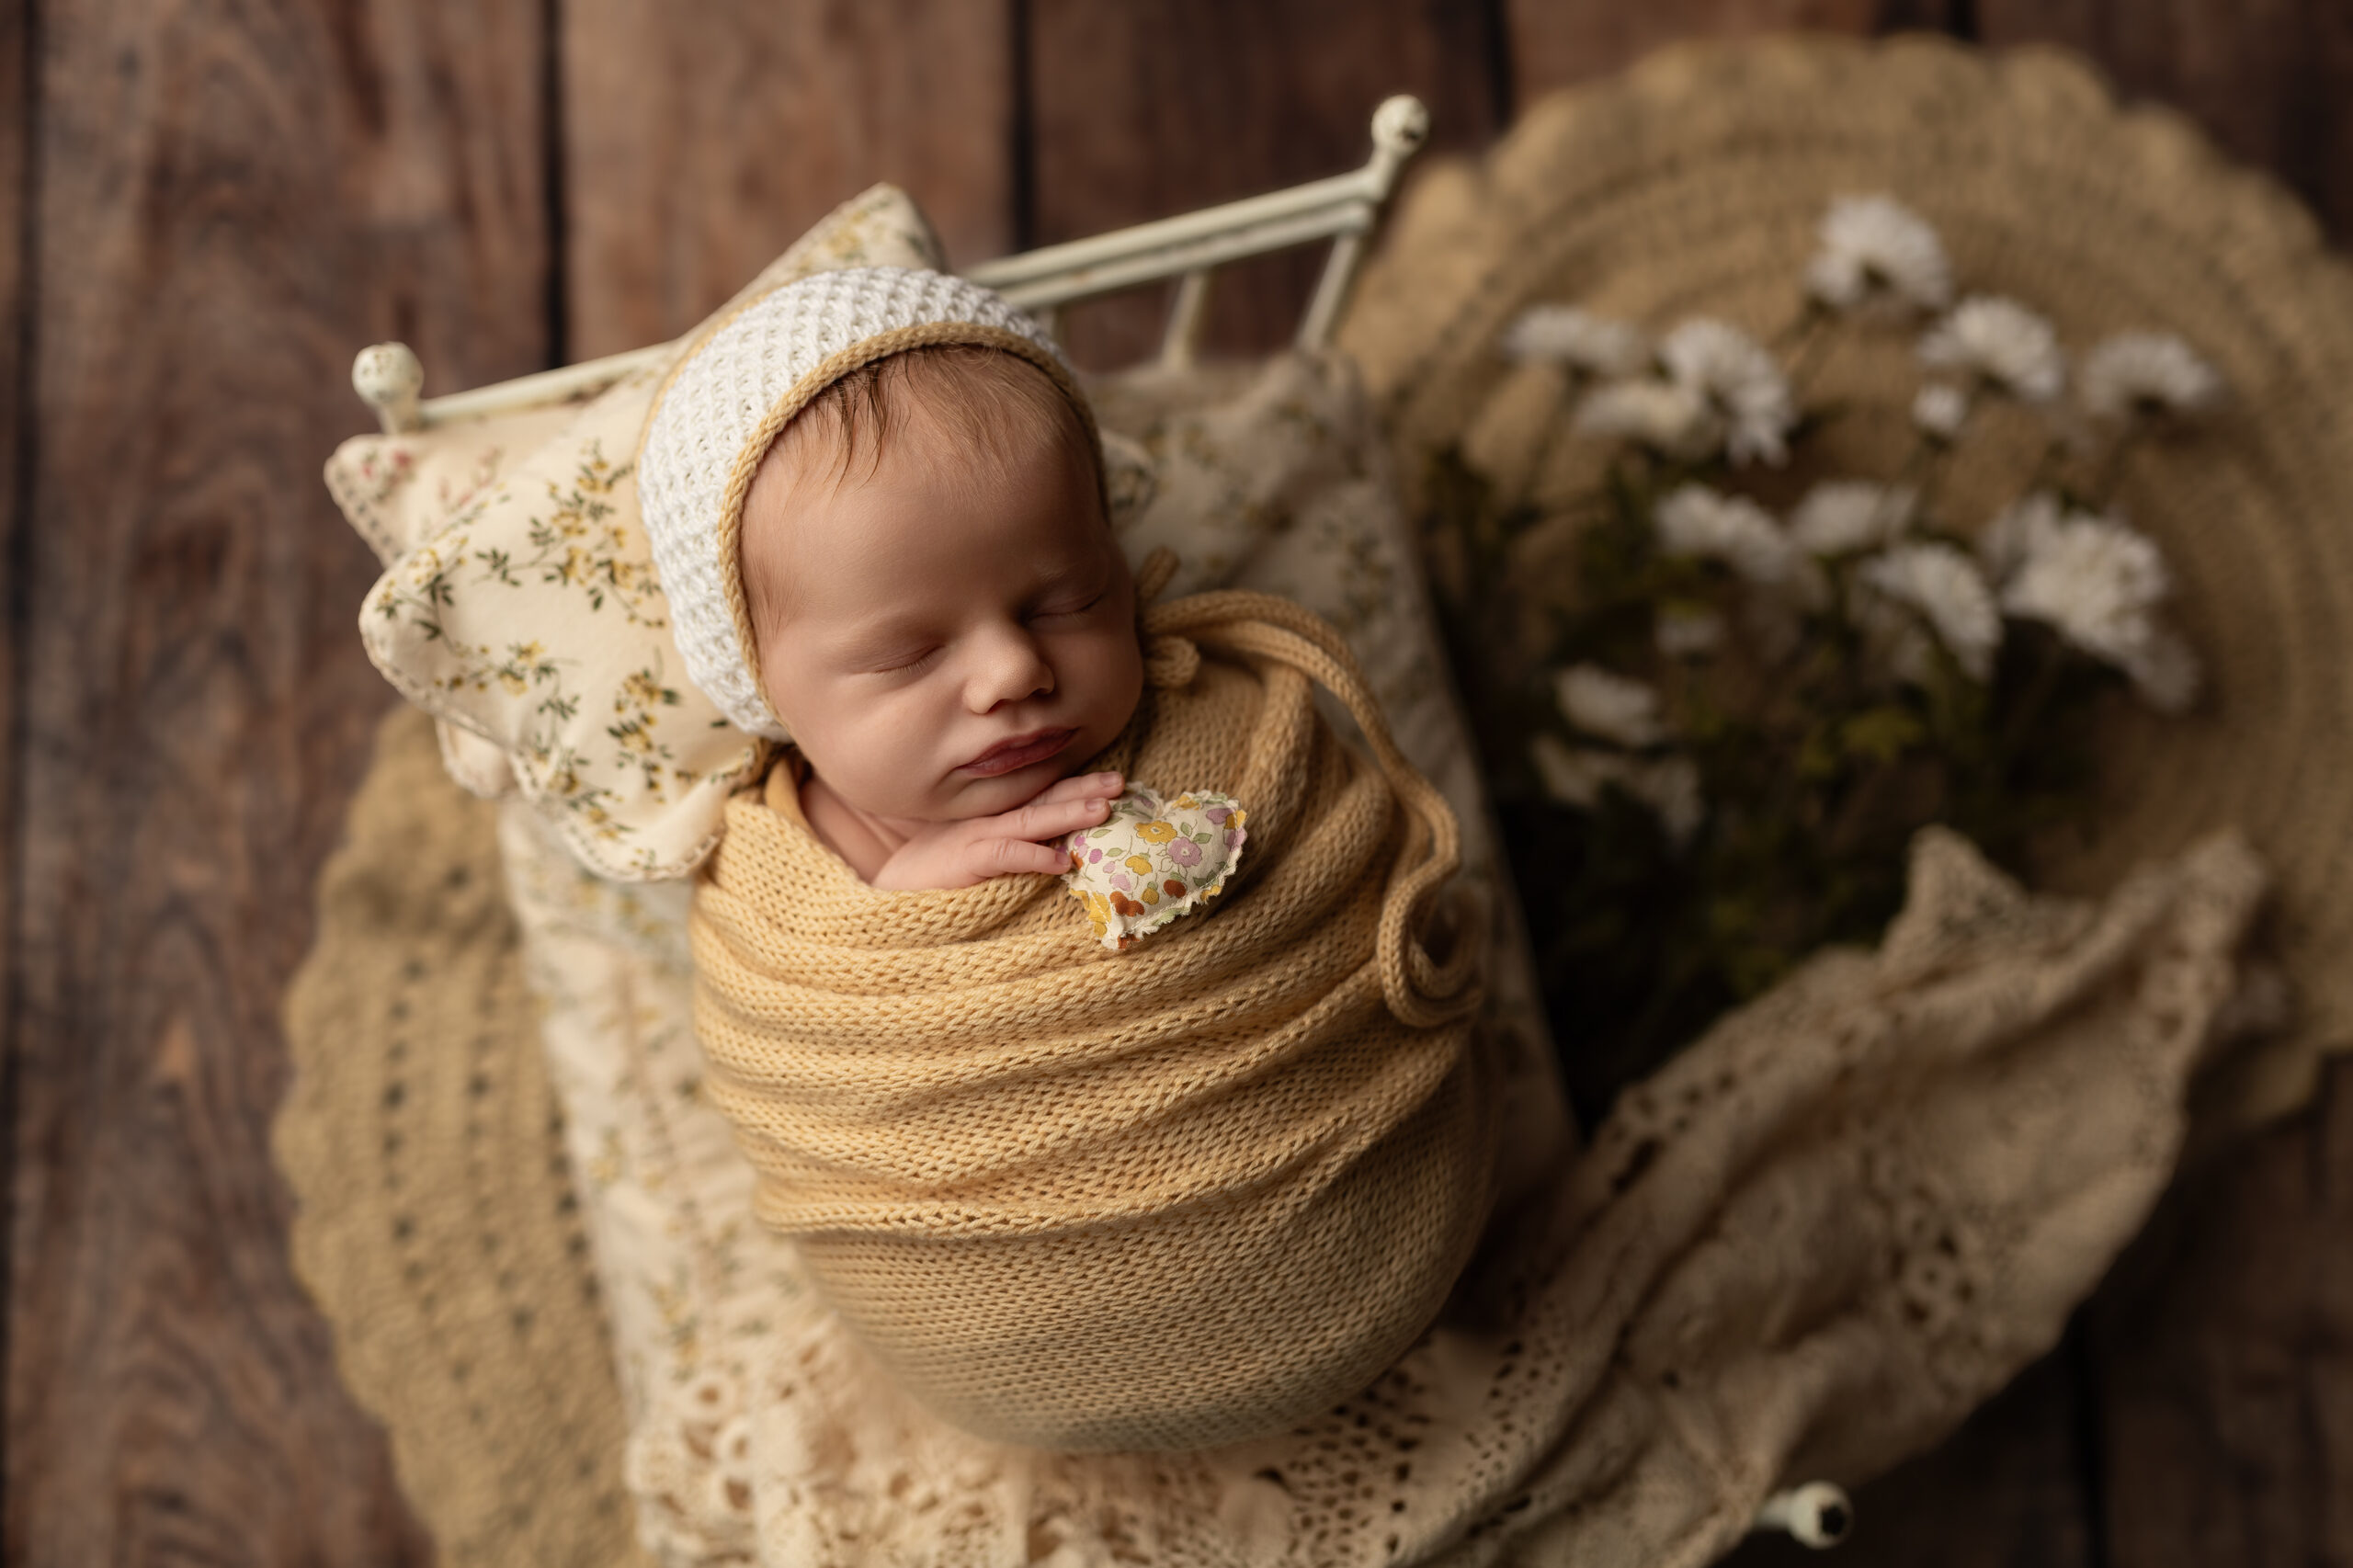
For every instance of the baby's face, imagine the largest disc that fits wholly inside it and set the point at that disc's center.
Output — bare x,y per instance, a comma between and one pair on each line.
943,639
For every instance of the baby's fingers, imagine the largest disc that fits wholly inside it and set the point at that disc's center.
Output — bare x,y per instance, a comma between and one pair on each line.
1085,786
1050,819
1009,857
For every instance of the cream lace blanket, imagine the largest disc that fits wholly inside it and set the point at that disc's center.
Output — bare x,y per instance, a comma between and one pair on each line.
1808,1247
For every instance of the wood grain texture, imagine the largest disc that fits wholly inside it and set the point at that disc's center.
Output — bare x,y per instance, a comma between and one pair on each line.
701,137
232,198
2223,1350
2225,1356
2270,80
15,325
2005,1488
1150,108
1555,43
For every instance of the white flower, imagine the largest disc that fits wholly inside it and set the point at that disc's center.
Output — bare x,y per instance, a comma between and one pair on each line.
1940,410
2094,580
1602,703
1671,788
1563,334
1742,382
2016,532
1841,515
2164,671
1662,416
1876,252
1683,633
1576,776
1696,520
1949,593
1893,639
1999,341
2147,373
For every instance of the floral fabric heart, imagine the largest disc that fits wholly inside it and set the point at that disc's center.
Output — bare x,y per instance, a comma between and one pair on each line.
1154,859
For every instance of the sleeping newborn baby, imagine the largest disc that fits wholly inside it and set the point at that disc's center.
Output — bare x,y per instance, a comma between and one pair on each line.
944,620
1170,1195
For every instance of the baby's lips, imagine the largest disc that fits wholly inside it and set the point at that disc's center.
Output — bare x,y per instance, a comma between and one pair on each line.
1013,755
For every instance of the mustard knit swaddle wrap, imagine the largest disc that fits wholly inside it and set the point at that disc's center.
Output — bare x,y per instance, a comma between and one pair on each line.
1169,1198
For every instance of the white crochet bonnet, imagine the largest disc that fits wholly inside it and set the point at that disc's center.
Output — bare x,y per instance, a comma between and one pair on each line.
726,399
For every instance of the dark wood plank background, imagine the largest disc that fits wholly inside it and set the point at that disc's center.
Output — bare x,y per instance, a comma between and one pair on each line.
212,205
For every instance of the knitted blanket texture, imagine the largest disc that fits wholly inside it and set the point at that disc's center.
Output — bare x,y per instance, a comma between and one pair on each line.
1163,1199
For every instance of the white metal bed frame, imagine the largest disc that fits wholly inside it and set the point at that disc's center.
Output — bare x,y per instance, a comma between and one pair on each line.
1342,209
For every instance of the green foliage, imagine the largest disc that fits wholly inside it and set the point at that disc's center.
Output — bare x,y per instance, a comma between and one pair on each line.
1817,763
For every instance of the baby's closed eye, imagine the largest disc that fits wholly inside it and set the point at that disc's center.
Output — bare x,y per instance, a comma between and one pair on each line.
1057,611
903,661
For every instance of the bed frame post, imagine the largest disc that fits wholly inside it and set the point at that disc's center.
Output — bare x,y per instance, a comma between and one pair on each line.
1187,315
1399,126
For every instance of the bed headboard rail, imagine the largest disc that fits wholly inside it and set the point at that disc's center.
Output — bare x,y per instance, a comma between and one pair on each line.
1341,209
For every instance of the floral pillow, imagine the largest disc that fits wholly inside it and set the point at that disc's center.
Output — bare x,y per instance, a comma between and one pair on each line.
396,491
530,620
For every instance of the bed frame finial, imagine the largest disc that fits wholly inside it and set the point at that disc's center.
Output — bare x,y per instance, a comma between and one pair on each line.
387,377
1399,126
1818,1515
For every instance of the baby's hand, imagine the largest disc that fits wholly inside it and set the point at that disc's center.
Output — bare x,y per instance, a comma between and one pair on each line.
960,854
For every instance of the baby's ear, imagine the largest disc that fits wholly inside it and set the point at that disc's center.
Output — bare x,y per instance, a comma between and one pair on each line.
1129,480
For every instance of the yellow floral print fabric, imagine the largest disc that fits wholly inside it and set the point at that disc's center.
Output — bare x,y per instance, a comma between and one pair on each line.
533,620
530,619
1153,859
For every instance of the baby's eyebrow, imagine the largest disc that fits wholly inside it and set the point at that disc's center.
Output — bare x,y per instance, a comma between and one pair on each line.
1062,574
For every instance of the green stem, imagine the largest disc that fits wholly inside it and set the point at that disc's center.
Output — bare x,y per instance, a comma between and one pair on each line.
2044,467
2113,471
1848,827
1810,317
1807,360
1549,441
2028,716
1939,464
1923,453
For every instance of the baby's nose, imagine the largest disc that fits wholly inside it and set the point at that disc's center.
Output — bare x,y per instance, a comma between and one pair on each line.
1009,667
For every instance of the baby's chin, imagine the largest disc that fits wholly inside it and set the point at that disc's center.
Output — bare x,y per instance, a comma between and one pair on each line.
955,798
993,796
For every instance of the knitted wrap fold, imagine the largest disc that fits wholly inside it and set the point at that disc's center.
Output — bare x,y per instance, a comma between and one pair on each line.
1166,1198
731,392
